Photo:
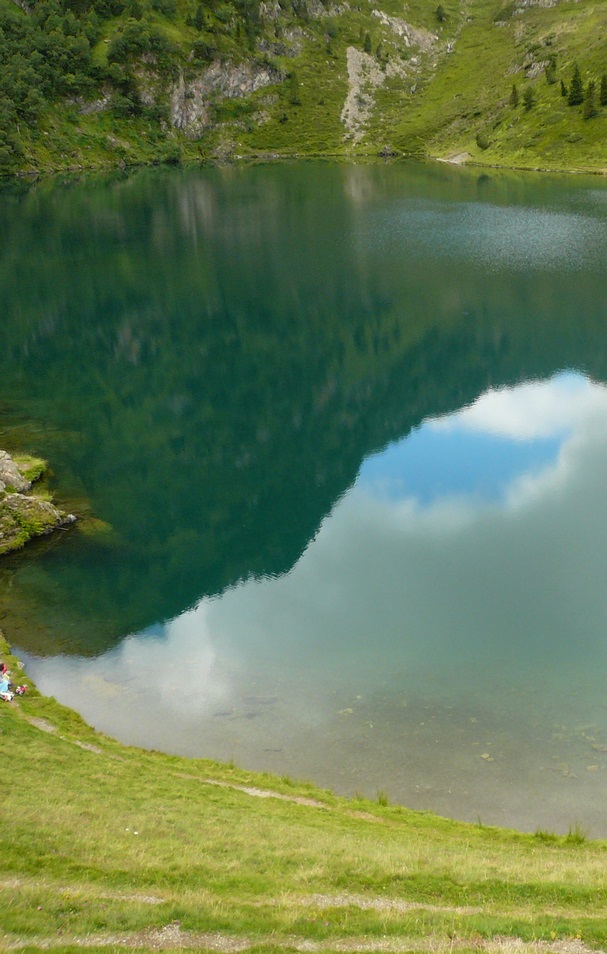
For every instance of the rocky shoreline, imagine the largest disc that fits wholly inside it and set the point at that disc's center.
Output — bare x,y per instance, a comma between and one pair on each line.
25,514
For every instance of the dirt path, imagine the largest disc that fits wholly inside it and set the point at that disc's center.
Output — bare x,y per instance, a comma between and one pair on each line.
171,937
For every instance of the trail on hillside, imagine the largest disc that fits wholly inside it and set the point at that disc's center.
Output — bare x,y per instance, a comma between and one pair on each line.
171,937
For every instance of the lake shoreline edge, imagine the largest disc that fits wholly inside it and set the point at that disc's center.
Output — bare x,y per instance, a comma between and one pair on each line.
373,158
335,871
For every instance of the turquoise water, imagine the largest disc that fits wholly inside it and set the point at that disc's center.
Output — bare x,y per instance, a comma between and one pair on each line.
343,431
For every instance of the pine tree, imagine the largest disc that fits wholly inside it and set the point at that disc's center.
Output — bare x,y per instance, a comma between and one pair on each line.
293,87
514,97
603,90
367,45
564,90
576,89
550,72
590,109
199,18
528,99
441,16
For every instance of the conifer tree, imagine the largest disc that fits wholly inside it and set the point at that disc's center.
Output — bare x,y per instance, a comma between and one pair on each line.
550,72
514,97
590,109
576,89
441,16
528,99
293,87
367,46
564,90
199,18
603,90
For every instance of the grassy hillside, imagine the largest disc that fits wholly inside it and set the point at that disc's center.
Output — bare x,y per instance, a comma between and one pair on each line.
95,82
108,847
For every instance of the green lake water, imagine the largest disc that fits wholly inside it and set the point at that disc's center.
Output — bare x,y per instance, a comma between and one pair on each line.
338,436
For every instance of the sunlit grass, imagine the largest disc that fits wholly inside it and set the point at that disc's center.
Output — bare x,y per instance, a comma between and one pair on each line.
98,838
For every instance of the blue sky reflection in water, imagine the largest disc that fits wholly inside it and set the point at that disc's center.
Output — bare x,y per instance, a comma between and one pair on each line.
443,638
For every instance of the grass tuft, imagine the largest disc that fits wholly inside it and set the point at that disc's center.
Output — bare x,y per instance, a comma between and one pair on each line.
576,835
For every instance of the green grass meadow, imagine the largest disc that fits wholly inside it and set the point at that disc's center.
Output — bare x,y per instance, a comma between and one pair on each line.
107,847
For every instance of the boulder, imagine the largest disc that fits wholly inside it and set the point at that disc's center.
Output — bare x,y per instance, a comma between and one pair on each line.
11,477
24,515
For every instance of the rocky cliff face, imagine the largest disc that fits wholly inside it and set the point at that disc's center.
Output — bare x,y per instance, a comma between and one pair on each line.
192,101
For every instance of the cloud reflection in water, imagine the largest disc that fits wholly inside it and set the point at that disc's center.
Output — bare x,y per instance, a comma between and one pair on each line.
461,589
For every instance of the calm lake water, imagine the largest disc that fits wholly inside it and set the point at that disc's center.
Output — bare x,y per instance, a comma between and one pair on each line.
339,437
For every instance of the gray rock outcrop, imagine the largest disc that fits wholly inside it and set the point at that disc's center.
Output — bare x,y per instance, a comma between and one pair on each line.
191,102
11,477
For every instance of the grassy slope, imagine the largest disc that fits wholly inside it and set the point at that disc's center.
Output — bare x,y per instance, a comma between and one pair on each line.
457,94
550,135
101,843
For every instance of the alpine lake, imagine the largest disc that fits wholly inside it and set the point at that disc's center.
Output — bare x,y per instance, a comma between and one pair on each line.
337,438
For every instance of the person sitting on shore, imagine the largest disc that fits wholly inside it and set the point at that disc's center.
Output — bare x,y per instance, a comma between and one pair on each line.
6,687
5,692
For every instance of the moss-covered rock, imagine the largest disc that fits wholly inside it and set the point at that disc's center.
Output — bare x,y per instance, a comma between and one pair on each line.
24,515
12,477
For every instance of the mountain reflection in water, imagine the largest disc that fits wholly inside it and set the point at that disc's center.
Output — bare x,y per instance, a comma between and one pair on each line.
357,504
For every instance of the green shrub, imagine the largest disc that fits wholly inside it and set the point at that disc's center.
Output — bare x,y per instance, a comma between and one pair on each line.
504,13
124,106
168,8
204,51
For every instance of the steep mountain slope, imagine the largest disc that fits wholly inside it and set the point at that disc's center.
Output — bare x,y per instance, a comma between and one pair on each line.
92,82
